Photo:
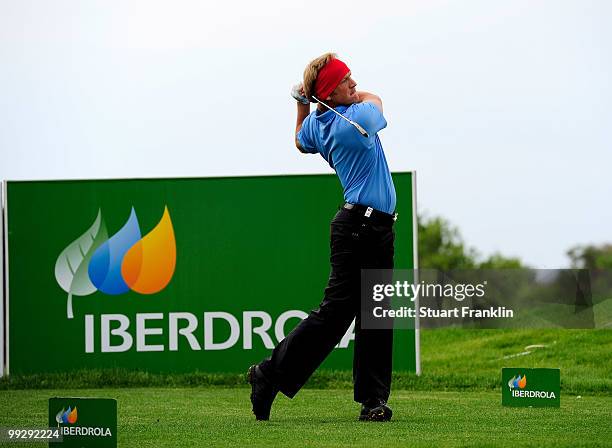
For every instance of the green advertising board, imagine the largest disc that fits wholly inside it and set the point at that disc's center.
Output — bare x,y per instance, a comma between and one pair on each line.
174,275
523,387
84,422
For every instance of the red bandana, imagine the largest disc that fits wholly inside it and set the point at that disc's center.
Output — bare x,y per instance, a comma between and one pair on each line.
329,77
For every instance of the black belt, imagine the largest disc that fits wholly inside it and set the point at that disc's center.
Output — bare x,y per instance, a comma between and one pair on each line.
369,213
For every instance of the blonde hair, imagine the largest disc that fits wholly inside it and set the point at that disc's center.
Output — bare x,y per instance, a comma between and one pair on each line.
312,71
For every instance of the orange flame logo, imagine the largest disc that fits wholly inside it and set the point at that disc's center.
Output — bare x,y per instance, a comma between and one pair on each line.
67,416
517,382
149,264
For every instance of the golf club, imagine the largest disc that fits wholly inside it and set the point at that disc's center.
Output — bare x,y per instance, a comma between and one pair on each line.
361,130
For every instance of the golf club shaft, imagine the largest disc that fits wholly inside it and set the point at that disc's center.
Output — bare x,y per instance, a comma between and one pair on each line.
359,128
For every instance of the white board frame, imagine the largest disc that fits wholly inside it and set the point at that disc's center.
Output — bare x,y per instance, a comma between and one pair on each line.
3,280
415,257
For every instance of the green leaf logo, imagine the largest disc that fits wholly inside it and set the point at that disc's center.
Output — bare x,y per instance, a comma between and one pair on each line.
71,265
58,416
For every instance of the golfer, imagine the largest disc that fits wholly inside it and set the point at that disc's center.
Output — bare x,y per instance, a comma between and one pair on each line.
361,238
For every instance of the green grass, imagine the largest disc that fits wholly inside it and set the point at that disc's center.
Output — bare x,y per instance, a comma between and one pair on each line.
456,402
457,359
452,360
152,417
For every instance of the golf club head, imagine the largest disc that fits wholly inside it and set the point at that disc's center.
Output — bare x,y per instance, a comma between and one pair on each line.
361,130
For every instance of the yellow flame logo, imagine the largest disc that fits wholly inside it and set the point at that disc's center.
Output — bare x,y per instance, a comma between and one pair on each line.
148,266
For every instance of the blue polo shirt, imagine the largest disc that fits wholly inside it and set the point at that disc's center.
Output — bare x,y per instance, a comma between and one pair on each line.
359,161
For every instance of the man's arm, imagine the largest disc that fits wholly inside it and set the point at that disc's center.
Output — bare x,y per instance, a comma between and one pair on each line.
302,112
366,97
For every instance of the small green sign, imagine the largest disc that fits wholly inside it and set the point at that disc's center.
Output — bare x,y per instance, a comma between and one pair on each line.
90,422
531,387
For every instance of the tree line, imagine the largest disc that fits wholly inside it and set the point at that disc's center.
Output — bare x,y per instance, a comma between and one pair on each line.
441,246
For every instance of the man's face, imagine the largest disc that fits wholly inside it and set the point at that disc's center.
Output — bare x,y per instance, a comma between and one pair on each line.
345,93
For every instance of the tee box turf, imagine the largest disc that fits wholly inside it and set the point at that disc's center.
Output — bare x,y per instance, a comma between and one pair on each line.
522,387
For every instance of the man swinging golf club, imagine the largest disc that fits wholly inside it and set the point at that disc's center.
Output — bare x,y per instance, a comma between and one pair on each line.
343,129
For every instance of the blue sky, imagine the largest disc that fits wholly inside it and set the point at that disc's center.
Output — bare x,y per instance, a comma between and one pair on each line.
504,109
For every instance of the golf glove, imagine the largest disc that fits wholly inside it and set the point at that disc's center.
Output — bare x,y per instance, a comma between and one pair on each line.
296,92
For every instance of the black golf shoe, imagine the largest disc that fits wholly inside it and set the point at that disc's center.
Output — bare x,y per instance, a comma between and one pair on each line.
375,410
262,393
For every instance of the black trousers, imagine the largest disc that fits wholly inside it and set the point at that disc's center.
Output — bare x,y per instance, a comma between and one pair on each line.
356,243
